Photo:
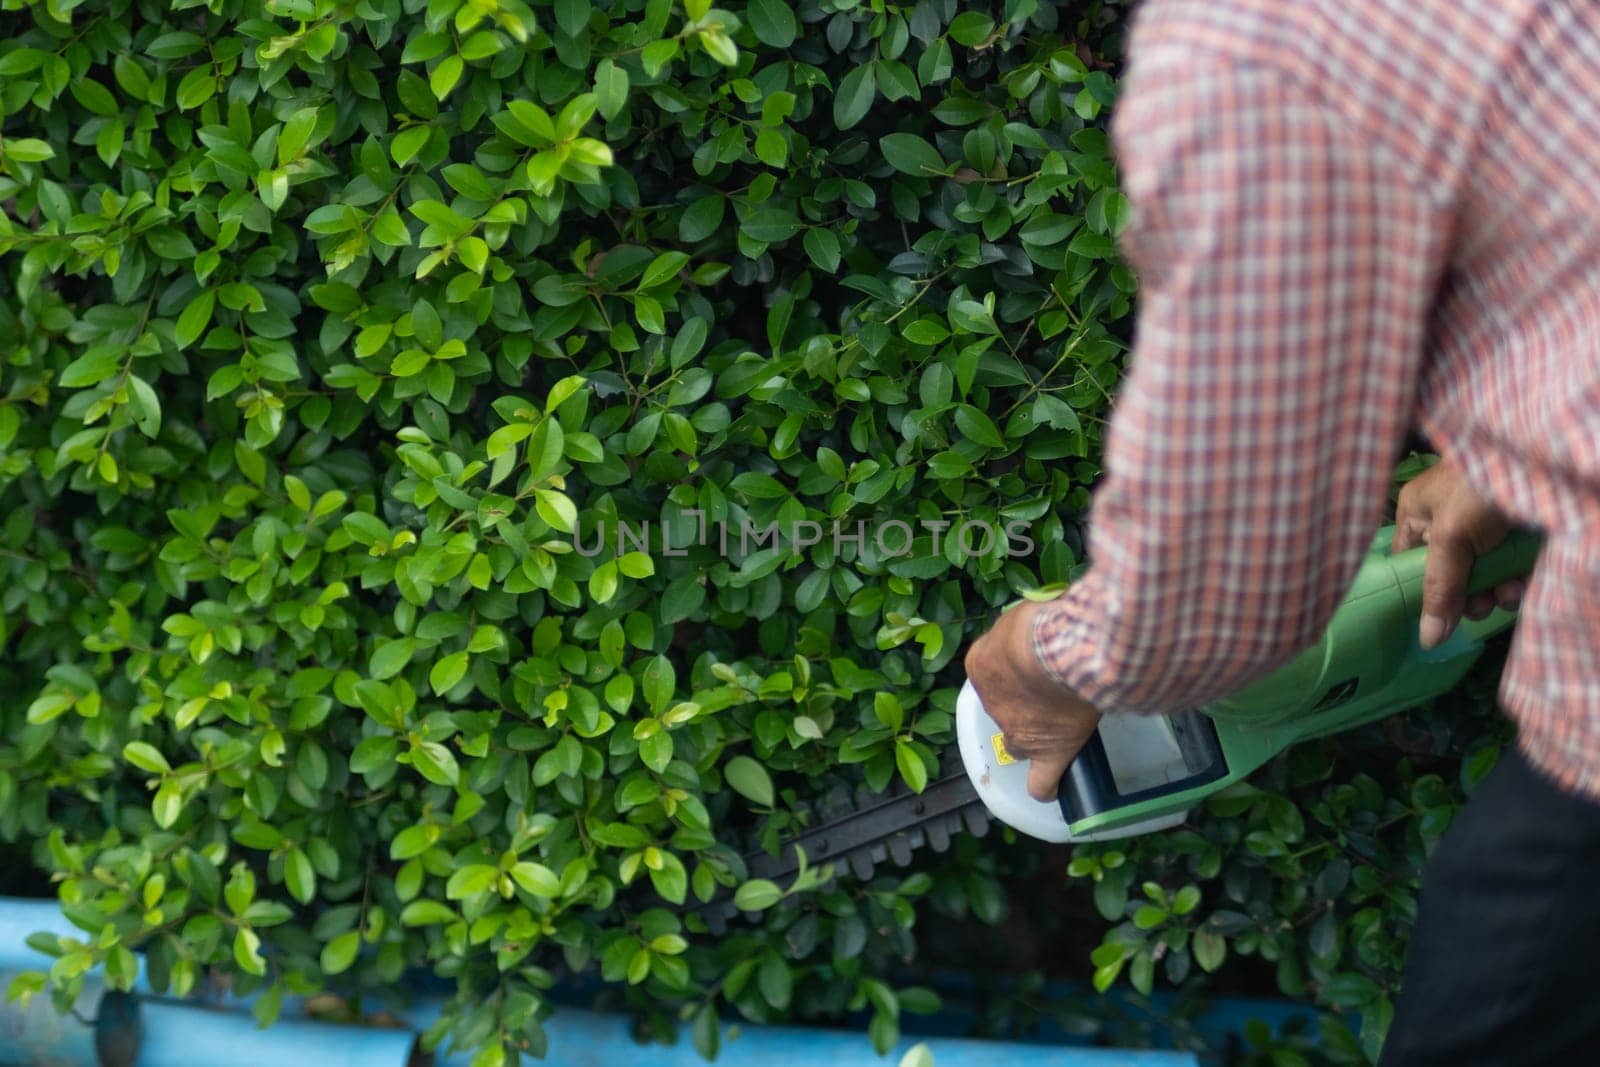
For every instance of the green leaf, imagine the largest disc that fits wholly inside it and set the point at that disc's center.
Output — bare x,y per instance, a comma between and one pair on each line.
671,880
471,880
774,981
197,86
412,841
1054,412
340,953
701,219
758,894
854,97
656,751
928,331
167,805
1185,900
1107,974
93,367
392,657
247,952
610,88
390,229
435,763
663,269
636,565
750,780
373,753
912,770
1209,949
771,225
146,757
537,879
427,913
22,60
971,28
977,427
557,509
448,671
295,134
405,145
26,150
659,683
1141,973
144,405
823,248
910,154
887,710
445,76
195,318
773,23
1047,228
299,877
603,583
132,77
1092,245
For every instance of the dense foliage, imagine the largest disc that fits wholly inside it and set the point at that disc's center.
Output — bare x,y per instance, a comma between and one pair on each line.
338,338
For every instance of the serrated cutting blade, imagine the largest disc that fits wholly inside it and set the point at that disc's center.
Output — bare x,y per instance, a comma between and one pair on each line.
859,836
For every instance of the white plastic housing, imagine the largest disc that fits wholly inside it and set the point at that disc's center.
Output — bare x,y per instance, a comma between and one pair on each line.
1140,748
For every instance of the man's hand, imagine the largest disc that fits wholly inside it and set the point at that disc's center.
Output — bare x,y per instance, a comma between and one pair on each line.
1043,722
1439,509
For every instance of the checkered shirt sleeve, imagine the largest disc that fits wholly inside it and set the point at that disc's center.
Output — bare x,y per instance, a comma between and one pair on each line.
1287,269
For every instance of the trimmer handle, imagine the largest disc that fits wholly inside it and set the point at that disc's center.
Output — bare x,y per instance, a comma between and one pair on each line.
1089,788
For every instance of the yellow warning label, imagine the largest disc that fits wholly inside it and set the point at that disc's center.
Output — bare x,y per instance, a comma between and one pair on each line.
1001,756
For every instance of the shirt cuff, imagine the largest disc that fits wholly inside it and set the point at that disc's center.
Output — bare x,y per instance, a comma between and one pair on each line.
1068,641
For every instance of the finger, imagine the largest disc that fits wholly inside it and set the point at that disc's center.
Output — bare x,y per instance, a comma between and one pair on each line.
1444,588
1407,534
1508,595
1045,774
1409,518
1479,605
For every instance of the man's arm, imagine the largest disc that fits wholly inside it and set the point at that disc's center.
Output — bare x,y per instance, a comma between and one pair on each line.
1287,272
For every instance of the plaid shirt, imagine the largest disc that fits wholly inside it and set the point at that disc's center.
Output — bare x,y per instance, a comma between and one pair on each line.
1350,217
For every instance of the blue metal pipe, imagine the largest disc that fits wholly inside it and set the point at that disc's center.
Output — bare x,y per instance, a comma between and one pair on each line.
590,1039
1222,1018
110,1029
186,1034
21,918
177,1035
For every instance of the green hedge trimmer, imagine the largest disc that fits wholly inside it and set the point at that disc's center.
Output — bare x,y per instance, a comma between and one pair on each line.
1142,773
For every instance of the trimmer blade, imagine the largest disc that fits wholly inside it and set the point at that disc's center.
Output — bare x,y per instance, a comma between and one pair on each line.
856,837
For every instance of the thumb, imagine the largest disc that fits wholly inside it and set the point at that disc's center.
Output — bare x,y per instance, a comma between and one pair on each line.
1045,774
1444,588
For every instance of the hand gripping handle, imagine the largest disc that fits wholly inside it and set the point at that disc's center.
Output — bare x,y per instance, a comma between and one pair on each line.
1089,786
1512,558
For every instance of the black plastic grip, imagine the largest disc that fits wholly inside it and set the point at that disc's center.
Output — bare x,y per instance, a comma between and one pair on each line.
1090,787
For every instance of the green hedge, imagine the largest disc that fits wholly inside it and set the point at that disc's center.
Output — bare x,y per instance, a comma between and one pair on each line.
331,323
331,328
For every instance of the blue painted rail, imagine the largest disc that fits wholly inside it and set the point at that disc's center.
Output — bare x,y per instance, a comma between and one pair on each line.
592,1039
109,1029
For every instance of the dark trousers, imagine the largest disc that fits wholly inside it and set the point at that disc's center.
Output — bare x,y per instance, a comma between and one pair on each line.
1504,964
